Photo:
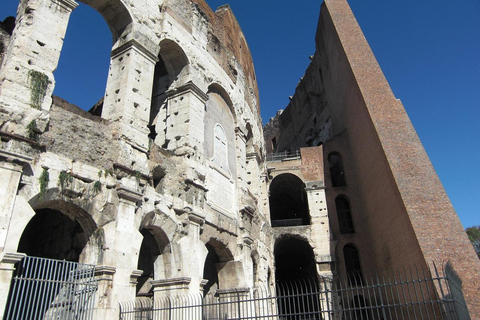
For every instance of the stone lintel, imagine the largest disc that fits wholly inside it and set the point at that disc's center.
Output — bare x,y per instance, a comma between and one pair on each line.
188,87
130,195
137,46
14,157
172,283
314,185
12,257
67,4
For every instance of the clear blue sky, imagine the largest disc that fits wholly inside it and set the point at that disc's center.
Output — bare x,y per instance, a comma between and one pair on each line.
429,51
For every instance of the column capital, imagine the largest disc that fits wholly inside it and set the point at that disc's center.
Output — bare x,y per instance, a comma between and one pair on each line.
137,46
188,87
67,4
12,257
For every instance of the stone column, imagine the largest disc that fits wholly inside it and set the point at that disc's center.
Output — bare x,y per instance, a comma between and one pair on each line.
31,58
321,234
121,255
10,174
7,266
185,120
129,92
192,252
104,276
241,140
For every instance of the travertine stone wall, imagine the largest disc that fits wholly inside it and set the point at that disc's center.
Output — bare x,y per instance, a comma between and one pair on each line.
158,167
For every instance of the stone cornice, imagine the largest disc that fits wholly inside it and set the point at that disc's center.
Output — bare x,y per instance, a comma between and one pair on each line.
12,257
188,87
135,45
181,281
67,4
129,195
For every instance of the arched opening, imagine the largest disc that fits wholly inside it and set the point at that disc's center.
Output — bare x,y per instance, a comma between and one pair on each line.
288,201
51,234
154,250
220,270
297,283
337,174
49,279
170,67
294,260
344,214
353,267
210,271
82,70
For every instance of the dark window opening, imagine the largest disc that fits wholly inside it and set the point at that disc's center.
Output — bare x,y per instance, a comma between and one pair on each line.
288,202
337,174
352,265
274,144
344,215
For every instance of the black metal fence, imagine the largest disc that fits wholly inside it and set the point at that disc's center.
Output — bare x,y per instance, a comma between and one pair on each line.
51,289
407,294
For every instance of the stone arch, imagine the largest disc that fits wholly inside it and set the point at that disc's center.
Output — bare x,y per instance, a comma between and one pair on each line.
295,265
116,14
218,89
294,259
61,230
156,256
220,269
288,201
170,70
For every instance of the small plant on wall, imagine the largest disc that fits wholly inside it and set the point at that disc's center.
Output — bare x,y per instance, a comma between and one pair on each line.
32,131
64,180
38,87
43,180
97,187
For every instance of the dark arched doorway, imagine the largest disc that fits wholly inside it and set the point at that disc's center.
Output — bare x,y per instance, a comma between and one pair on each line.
288,201
153,259
49,281
210,270
51,234
297,283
